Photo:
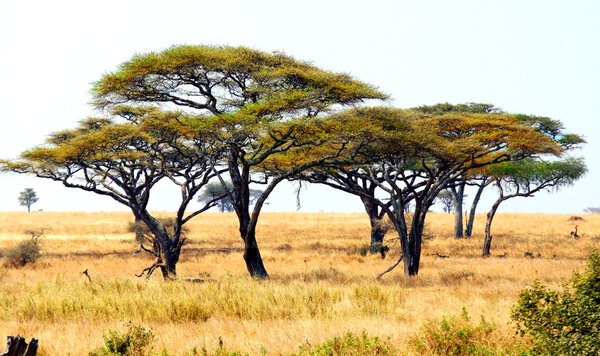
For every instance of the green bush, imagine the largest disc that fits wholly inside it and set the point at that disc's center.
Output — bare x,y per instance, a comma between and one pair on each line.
563,322
455,335
136,341
28,251
349,344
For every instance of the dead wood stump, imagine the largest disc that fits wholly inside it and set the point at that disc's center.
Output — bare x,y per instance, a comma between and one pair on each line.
16,346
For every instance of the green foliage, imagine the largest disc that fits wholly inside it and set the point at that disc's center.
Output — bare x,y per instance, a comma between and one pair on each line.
563,322
454,335
28,251
136,341
349,344
476,108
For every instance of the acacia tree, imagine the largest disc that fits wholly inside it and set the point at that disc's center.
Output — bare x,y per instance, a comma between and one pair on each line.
416,155
27,198
524,179
480,179
246,94
124,157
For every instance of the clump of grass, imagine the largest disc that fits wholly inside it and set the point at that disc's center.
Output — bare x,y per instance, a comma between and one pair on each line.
372,299
361,250
26,252
348,344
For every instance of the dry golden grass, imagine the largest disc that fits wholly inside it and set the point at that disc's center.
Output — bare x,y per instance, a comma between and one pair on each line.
320,285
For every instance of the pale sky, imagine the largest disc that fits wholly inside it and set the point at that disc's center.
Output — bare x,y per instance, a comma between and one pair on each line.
535,57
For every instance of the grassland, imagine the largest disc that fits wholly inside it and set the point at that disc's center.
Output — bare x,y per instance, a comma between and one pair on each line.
320,286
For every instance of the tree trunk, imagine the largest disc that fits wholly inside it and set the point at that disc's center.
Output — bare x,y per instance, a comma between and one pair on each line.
170,258
458,197
411,248
471,218
254,262
487,241
377,230
377,235
170,246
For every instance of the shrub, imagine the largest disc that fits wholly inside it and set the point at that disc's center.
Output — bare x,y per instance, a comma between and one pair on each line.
28,251
349,344
136,341
563,322
455,335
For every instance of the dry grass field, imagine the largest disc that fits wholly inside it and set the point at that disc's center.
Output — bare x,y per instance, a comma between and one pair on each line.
320,285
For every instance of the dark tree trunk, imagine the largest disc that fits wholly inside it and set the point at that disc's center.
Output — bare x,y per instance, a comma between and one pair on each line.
170,259
487,240
377,230
411,240
412,252
471,218
458,194
254,262
377,235
169,247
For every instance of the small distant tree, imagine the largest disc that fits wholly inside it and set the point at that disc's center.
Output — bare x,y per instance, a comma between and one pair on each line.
216,190
446,199
27,198
592,210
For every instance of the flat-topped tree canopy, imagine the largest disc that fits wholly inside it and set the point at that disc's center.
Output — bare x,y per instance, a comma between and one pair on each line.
412,155
221,79
377,134
124,156
246,95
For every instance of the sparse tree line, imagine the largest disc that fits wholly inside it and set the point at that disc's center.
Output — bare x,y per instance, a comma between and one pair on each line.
219,121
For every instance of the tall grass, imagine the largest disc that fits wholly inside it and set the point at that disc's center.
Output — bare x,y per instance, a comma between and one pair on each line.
320,287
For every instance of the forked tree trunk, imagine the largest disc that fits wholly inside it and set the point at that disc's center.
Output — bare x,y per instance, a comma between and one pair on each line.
247,226
472,211
412,252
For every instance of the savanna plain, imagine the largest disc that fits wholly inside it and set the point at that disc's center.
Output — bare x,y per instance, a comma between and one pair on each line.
322,284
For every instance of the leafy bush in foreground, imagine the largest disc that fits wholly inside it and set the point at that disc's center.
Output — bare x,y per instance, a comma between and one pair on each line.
563,322
136,341
455,335
349,344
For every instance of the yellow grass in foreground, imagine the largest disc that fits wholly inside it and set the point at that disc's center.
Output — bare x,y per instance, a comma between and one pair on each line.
320,285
